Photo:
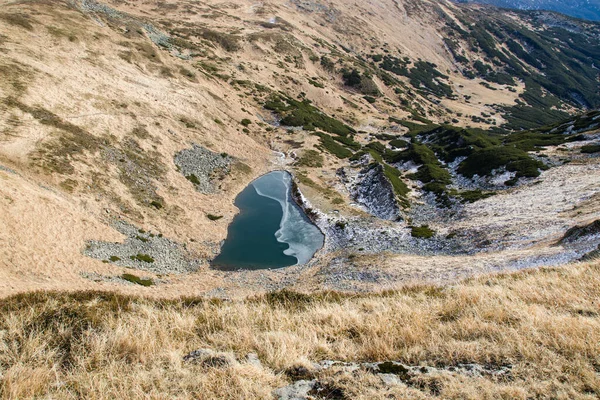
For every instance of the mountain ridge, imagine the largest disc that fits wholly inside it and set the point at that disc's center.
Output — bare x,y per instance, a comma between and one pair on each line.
585,9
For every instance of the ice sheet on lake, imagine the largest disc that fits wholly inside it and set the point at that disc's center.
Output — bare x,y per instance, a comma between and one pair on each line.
303,237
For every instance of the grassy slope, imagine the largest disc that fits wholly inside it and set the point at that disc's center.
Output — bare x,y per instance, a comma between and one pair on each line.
102,346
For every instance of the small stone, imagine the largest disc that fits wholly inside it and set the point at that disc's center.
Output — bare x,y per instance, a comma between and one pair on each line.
297,391
218,361
198,354
252,359
391,380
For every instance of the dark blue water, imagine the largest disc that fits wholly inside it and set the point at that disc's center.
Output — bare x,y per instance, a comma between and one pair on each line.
270,231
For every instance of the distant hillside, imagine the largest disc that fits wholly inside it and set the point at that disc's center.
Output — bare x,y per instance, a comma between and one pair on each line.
412,127
586,9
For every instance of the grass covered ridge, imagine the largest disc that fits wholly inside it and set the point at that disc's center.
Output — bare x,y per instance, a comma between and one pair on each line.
545,323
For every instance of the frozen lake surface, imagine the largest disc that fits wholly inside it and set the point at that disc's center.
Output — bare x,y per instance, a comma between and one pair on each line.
270,231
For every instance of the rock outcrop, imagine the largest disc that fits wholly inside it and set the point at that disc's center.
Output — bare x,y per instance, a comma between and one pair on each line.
372,190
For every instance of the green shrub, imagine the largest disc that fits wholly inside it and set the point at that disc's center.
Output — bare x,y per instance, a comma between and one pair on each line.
143,258
302,113
333,147
340,225
472,196
482,162
399,143
422,232
214,217
141,239
193,178
246,122
316,83
137,280
370,99
590,148
393,175
114,258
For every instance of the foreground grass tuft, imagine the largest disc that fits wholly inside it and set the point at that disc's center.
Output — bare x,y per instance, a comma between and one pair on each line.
544,323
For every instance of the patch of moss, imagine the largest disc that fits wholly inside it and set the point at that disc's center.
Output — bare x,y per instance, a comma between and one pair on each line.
214,217
316,83
370,99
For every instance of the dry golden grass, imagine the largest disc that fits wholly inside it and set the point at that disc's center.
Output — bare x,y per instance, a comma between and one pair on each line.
545,323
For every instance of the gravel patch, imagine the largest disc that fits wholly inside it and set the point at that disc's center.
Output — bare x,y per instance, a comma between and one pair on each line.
143,251
203,167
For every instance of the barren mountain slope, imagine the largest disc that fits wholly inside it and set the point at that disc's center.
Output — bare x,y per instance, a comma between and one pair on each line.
140,121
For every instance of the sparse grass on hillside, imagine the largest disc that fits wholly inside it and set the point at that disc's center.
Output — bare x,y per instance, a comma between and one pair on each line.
310,158
545,324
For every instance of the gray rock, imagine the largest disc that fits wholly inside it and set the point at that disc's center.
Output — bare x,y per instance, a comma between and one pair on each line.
592,255
371,189
376,193
252,359
297,391
210,359
198,354
391,380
